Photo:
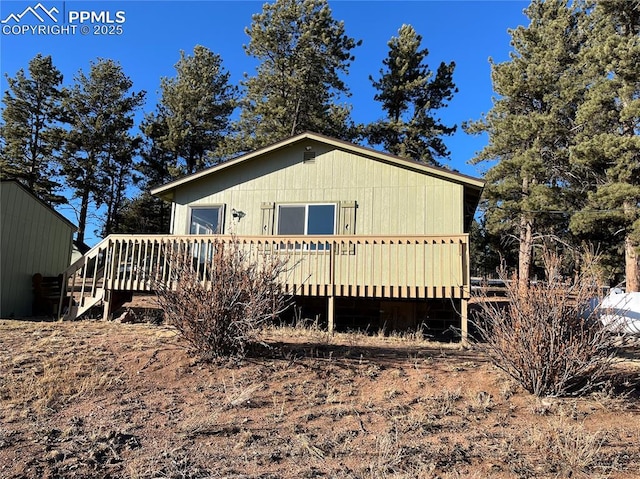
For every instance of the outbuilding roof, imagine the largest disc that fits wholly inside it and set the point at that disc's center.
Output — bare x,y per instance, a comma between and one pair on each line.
36,198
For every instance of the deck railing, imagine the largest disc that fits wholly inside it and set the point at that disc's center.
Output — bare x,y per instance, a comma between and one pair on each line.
356,266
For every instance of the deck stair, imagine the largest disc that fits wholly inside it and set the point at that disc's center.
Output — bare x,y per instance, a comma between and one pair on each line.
84,283
109,273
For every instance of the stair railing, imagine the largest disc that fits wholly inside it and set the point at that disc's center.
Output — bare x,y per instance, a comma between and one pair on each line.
83,282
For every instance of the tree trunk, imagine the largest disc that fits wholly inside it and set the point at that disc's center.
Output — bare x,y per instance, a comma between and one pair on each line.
82,219
632,266
631,257
525,252
526,242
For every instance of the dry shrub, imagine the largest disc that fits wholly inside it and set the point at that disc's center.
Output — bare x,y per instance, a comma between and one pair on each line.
220,304
545,337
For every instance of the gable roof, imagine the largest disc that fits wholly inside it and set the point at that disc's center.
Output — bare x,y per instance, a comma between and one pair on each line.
30,193
166,191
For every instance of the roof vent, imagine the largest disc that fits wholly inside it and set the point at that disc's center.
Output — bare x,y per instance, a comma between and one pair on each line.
309,157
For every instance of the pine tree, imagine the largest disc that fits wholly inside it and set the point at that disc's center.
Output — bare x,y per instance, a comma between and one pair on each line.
530,128
195,109
144,214
607,150
158,165
303,52
30,129
410,94
182,136
486,252
98,148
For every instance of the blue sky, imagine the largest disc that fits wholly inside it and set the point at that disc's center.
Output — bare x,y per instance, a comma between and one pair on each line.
152,34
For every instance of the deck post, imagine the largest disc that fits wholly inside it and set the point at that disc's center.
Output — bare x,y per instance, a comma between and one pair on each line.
106,305
331,313
464,320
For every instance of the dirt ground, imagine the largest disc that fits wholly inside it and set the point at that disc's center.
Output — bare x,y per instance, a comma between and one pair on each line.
94,399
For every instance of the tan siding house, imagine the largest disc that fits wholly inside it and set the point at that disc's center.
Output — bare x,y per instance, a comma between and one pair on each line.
403,226
373,240
391,198
34,238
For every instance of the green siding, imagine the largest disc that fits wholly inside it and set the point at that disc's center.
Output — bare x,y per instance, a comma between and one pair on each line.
391,199
33,239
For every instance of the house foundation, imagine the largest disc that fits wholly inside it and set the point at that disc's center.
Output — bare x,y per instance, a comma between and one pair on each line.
439,319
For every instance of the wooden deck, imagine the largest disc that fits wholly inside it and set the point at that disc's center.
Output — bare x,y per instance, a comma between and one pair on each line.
392,267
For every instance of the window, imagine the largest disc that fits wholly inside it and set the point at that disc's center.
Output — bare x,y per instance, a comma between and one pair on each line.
307,219
206,220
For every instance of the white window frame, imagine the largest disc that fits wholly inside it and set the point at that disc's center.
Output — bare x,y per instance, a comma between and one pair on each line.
326,247
306,216
207,207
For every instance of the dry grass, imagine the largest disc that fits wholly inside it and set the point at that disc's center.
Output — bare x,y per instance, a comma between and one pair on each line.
63,372
107,400
571,449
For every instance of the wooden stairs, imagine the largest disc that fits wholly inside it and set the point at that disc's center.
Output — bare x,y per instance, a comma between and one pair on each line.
84,286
